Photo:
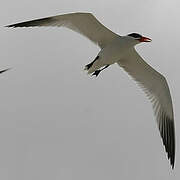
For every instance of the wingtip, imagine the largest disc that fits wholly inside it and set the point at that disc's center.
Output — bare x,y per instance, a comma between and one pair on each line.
171,158
12,26
172,163
7,26
2,71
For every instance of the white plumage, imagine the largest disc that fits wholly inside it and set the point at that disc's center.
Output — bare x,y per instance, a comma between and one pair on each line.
120,50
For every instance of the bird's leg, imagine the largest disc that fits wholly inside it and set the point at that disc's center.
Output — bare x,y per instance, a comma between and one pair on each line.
88,66
96,73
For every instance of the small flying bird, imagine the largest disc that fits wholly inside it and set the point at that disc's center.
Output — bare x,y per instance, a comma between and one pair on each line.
121,50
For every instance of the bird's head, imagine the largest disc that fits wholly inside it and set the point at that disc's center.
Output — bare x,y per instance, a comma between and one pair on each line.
139,38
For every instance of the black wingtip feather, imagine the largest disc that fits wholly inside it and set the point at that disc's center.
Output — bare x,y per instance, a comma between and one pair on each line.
168,137
36,22
2,71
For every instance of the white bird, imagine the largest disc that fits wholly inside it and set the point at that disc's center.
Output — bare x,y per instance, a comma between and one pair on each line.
120,50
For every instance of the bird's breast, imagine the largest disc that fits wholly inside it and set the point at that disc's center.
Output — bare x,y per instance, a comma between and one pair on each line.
114,52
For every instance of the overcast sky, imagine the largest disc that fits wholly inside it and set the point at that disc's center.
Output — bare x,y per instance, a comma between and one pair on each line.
57,123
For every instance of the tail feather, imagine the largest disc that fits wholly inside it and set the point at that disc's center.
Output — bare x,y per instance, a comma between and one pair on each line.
88,66
96,66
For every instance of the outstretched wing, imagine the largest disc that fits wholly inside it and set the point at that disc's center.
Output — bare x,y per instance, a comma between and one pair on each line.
156,88
83,23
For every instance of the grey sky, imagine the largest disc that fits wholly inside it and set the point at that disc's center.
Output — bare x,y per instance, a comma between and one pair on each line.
59,123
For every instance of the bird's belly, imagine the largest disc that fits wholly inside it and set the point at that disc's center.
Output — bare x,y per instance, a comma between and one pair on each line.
112,56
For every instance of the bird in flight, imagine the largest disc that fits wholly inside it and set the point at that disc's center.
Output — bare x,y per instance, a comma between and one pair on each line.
121,50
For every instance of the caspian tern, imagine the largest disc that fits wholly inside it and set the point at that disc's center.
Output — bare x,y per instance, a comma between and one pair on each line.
121,50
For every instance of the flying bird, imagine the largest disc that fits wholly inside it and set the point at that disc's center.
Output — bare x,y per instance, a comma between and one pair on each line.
121,50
